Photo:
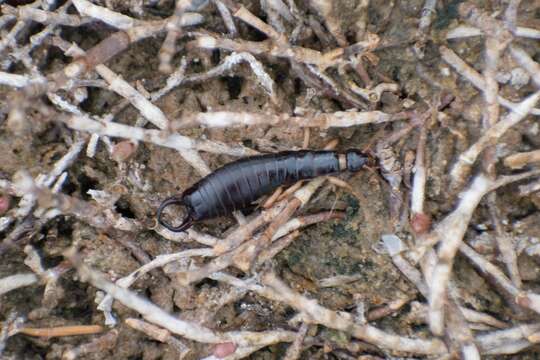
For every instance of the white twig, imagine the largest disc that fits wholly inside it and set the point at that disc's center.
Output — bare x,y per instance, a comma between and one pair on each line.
474,77
463,31
189,330
174,141
222,119
13,282
491,135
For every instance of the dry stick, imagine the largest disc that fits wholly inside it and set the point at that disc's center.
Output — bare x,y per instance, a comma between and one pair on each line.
426,18
462,167
294,351
315,313
226,119
98,345
325,10
189,330
504,242
526,62
124,22
162,138
231,61
472,316
118,85
11,38
159,334
28,201
520,160
227,18
245,232
185,236
452,229
106,304
509,341
44,17
418,216
525,299
476,79
463,31
530,188
389,309
16,281
20,81
497,39
62,331
132,31
510,15
293,53
457,331
91,214
174,31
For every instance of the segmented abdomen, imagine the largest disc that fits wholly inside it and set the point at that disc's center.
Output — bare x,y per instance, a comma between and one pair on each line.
237,185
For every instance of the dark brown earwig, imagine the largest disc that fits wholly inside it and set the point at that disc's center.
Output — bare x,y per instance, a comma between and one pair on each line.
237,185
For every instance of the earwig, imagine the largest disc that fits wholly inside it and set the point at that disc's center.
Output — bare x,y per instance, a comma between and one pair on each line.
238,184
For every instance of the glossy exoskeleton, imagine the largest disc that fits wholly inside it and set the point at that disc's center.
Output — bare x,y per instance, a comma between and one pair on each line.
238,184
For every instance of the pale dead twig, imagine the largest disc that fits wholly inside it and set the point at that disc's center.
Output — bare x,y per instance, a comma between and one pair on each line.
325,10
186,236
131,31
509,341
496,40
66,204
16,281
118,85
315,313
293,53
424,24
174,31
461,168
43,16
526,299
294,351
106,304
504,242
189,330
520,160
526,62
171,140
464,31
457,329
476,79
452,229
124,22
530,188
159,334
28,201
61,331
96,346
227,18
419,220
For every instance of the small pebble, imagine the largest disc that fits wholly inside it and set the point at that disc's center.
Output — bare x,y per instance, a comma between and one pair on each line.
224,349
5,201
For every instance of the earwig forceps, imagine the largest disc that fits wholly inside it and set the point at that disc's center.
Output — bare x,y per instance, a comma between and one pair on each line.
174,200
